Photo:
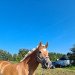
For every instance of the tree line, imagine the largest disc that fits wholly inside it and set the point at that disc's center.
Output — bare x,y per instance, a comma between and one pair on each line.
71,54
4,55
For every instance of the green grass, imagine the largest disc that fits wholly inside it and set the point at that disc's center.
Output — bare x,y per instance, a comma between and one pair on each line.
56,71
70,68
14,62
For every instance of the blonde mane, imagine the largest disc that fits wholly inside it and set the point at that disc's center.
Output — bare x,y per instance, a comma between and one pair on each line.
28,54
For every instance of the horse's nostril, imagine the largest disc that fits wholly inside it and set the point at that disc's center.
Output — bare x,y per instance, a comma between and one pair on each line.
46,63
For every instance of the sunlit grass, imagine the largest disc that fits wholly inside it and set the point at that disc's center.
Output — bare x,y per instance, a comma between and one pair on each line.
56,71
70,68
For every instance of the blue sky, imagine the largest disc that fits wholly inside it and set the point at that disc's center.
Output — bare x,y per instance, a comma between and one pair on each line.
24,23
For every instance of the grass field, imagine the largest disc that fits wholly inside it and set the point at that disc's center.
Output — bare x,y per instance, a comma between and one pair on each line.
56,71
70,68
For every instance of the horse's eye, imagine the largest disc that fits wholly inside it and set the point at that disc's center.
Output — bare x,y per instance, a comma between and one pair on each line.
39,51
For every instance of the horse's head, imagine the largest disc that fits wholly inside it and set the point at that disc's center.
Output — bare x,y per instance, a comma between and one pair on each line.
42,56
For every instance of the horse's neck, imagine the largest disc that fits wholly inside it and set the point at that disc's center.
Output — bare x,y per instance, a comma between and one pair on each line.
31,63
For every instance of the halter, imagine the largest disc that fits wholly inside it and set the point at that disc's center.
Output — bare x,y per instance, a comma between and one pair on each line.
42,60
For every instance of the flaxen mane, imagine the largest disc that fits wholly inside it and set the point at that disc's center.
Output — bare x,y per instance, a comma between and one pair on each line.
28,54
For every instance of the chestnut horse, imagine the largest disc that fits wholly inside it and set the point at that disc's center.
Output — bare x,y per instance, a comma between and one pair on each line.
28,64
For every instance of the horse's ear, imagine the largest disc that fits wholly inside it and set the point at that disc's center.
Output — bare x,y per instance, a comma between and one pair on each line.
40,44
46,45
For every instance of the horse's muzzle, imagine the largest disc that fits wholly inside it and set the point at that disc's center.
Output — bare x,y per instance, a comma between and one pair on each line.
46,64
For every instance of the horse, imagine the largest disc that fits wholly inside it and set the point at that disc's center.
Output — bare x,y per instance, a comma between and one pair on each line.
29,63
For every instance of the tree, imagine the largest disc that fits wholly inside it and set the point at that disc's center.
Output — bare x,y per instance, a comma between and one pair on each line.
73,49
22,53
55,56
71,54
14,57
4,55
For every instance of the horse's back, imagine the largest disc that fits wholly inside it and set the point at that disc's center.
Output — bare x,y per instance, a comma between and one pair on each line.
7,68
3,65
